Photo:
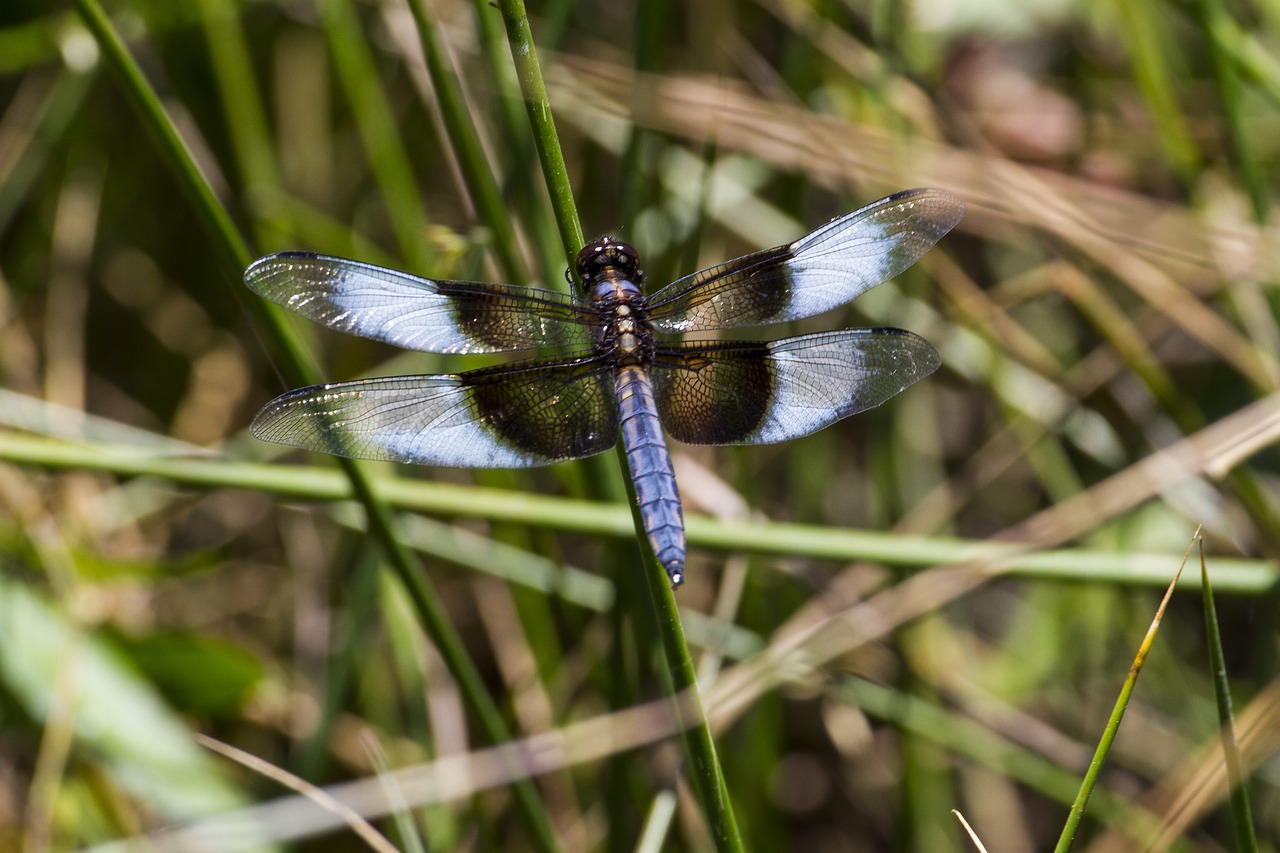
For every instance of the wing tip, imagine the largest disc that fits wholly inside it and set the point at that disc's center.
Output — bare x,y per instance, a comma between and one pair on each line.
264,268
929,360
277,422
924,355
948,208
266,425
260,271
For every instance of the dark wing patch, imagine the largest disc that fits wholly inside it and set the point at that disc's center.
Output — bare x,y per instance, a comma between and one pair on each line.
764,393
419,313
515,416
555,411
713,393
818,272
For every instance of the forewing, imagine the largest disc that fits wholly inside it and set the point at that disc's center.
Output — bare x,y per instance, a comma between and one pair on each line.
417,313
816,273
516,416
764,393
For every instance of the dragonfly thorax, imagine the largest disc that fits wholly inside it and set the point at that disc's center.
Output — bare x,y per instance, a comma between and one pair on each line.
611,283
624,331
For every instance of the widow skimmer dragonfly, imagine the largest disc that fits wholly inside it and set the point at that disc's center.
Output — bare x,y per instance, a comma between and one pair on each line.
617,377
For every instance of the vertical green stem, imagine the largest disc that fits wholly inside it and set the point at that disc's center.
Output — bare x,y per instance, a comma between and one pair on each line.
234,257
1090,781
376,124
1241,811
706,773
465,141
545,138
700,747
1140,27
1214,25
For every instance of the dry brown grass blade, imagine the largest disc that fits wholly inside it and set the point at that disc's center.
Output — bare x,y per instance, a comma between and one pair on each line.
815,637
824,630
313,793
1212,452
973,836
827,628
318,811
706,109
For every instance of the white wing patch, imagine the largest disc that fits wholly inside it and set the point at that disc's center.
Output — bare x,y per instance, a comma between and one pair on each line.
426,420
825,377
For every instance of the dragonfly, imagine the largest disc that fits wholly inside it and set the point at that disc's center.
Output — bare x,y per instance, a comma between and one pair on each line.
609,372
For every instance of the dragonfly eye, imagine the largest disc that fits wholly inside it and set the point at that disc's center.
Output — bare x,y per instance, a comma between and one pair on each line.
608,253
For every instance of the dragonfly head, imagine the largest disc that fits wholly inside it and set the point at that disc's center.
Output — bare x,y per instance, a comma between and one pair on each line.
608,258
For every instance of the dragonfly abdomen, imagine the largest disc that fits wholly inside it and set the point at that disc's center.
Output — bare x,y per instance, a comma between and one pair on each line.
651,472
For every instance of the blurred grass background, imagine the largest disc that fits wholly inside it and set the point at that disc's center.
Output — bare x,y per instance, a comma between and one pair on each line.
1106,315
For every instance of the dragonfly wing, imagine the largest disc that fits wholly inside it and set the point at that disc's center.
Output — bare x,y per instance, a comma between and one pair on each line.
818,272
515,416
764,393
418,313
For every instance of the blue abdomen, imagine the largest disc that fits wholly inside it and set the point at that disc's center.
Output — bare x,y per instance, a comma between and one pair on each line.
651,471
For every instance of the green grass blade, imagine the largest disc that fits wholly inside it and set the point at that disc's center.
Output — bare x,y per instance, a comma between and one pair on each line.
476,170
378,129
546,140
234,255
246,117
681,677
1241,812
706,771
1213,23
819,542
1141,26
1076,814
